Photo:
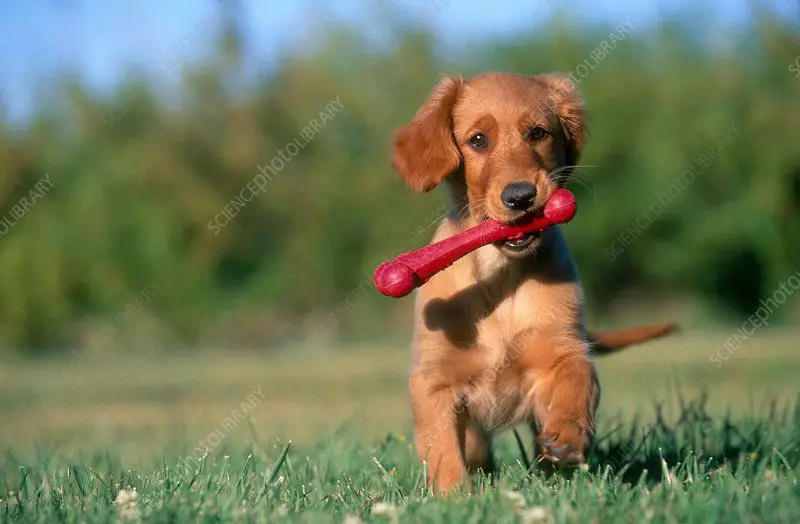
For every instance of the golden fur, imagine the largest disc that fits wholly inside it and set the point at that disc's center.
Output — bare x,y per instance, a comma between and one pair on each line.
499,336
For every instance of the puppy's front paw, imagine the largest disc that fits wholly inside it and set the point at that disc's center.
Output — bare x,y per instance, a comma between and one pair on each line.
565,443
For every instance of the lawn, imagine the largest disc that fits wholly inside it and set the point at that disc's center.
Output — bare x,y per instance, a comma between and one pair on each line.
323,435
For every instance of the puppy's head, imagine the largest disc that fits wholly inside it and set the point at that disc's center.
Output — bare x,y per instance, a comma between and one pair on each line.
514,138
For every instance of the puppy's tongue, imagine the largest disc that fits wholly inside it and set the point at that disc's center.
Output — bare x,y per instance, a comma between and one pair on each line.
516,236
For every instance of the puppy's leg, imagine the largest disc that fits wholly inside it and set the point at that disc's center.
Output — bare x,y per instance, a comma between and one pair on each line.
439,425
478,448
565,401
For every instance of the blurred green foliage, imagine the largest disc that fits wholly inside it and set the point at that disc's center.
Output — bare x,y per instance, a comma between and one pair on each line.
137,180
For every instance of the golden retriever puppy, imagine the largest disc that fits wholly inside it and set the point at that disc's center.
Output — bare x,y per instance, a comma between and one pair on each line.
500,336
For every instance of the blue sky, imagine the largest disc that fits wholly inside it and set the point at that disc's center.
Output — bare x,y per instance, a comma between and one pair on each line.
101,38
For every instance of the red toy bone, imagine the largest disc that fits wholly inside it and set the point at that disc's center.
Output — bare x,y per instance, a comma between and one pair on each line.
397,278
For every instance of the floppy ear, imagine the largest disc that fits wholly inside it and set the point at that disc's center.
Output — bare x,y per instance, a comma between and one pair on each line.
424,151
565,99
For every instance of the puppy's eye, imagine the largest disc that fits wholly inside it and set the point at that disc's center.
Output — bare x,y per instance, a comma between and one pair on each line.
537,133
479,142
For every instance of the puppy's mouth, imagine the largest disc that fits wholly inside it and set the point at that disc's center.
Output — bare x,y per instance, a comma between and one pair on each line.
521,241
521,244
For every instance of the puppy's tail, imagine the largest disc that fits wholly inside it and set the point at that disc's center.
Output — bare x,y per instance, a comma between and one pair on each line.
612,341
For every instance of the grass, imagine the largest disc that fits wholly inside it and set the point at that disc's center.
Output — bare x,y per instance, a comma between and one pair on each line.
698,470
80,437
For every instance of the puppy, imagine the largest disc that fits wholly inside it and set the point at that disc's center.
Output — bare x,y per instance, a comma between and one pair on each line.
499,337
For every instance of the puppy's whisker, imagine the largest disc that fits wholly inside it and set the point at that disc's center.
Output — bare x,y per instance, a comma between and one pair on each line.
559,177
561,169
463,211
442,216
559,172
590,188
566,177
580,178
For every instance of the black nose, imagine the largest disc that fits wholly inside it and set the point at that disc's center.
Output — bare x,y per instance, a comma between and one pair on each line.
518,195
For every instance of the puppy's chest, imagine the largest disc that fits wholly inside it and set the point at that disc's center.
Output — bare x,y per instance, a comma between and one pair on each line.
499,395
501,334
